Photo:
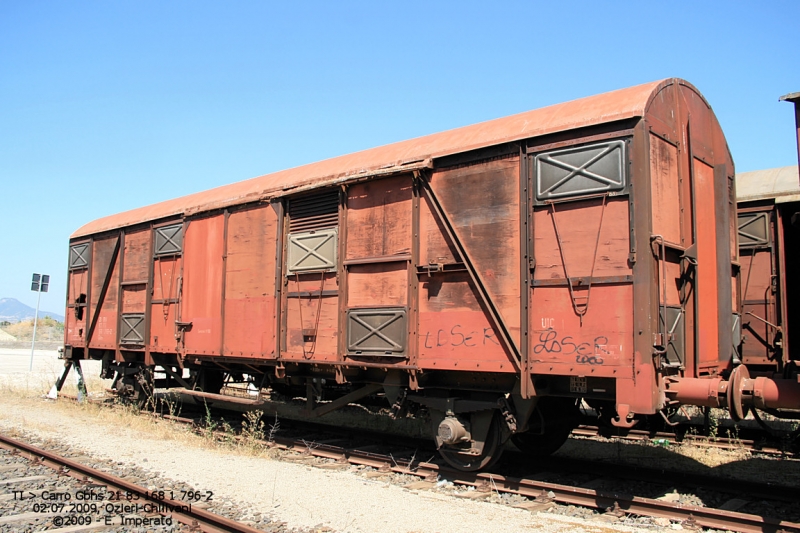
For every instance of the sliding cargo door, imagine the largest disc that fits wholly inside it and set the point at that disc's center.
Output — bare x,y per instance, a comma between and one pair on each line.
249,283
102,325
761,314
201,294
469,266
581,312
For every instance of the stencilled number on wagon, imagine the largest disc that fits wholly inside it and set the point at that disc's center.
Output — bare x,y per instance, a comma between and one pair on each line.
578,384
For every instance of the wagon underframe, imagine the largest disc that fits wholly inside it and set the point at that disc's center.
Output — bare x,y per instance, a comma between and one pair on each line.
492,275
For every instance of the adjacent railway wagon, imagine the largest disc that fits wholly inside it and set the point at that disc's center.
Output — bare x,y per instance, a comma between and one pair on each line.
488,277
769,246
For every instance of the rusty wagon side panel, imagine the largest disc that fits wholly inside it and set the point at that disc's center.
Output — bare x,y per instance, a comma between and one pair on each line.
761,280
134,290
769,201
585,250
694,214
249,298
376,271
78,280
102,330
481,201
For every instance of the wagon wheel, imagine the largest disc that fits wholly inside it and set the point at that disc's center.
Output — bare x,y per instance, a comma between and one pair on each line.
541,444
143,388
554,419
489,455
137,388
209,380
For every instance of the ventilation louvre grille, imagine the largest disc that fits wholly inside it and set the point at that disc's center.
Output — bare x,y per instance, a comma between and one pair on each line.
314,212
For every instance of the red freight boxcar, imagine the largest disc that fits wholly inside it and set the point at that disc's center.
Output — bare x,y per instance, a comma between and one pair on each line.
492,275
769,245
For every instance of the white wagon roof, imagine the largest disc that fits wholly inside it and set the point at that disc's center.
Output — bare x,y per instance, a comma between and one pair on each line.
782,184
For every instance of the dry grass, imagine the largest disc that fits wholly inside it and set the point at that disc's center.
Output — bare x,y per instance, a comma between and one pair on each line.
36,384
47,330
139,422
27,393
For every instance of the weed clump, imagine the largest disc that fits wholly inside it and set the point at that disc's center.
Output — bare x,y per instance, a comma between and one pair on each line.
253,431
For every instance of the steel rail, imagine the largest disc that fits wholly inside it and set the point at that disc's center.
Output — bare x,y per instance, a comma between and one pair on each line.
193,517
724,443
601,469
617,503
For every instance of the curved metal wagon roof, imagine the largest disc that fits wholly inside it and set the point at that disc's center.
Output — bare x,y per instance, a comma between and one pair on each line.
781,184
607,107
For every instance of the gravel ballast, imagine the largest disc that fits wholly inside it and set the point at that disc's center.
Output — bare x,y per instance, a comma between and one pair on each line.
264,489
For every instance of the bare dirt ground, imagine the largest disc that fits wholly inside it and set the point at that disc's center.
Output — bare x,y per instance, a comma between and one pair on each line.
266,484
15,362
301,496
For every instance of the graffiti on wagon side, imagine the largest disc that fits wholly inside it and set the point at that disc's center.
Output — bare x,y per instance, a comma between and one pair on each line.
591,353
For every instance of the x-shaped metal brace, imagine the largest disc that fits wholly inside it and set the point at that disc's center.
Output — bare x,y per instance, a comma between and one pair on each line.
80,259
131,322
376,331
757,239
581,170
310,251
168,239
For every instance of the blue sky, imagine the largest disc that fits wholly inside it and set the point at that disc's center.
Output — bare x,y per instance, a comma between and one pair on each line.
107,106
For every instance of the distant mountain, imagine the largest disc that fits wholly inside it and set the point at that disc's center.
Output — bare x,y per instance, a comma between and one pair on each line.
12,310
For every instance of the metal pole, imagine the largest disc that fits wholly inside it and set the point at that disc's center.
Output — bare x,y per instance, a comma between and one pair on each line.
795,99
796,103
35,320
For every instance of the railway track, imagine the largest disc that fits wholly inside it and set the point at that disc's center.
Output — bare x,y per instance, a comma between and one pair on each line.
723,443
542,494
101,501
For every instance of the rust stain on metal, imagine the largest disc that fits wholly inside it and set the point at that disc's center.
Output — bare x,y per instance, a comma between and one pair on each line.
399,157
583,250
